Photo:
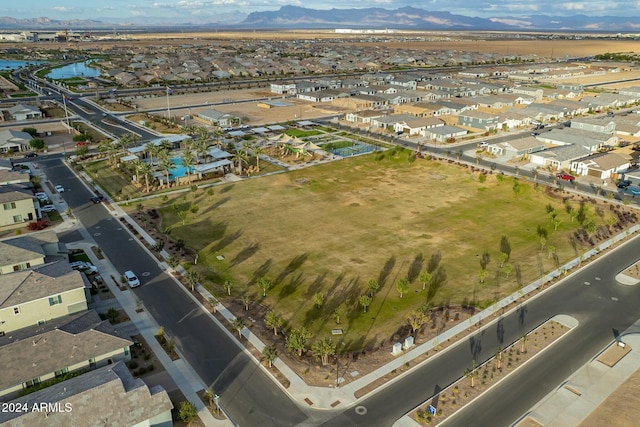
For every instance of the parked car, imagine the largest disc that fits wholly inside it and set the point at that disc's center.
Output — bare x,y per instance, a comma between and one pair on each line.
96,199
565,177
624,183
59,188
48,208
30,154
634,190
84,266
483,144
42,196
131,278
81,144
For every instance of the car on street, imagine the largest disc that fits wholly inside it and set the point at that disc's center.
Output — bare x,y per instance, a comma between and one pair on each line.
131,278
30,154
84,266
624,183
81,144
634,190
41,195
96,199
565,177
48,208
483,144
59,188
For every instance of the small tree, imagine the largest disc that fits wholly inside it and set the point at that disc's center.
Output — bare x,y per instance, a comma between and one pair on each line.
264,284
425,278
192,277
37,144
246,301
373,286
187,412
269,354
338,313
227,285
323,349
403,286
318,299
297,341
365,301
238,326
274,321
173,262
417,318
112,314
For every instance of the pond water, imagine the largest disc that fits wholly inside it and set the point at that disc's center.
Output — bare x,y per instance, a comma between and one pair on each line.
7,64
78,69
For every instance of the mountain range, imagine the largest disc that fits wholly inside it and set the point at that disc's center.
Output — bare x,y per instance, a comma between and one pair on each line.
406,18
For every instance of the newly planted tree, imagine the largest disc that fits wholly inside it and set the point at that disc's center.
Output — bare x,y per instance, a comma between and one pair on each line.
246,301
323,349
269,354
425,278
264,284
365,302
297,341
238,326
338,313
373,286
403,286
274,321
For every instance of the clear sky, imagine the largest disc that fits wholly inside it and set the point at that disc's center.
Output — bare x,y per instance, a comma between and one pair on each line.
198,11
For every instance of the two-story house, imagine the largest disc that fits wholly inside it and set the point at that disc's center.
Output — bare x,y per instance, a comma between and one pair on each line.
17,206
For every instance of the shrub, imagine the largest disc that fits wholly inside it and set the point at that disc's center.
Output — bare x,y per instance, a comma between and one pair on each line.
187,412
133,364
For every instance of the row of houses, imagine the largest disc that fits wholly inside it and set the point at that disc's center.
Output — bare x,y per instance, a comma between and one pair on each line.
48,334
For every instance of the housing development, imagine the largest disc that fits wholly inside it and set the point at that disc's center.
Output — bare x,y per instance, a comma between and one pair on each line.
325,228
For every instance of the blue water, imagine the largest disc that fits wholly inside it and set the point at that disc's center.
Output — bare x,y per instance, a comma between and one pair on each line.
178,171
6,64
79,69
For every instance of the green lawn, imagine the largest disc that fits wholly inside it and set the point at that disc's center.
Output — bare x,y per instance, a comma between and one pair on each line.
110,180
331,228
299,133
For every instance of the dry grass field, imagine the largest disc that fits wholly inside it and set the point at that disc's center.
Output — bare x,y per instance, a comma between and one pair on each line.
330,229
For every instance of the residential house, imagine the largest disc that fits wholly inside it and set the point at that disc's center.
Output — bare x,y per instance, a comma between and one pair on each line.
514,148
21,112
602,166
594,124
12,141
417,125
545,112
360,102
389,122
444,133
365,116
326,95
558,158
18,206
40,295
594,141
513,118
75,343
14,177
31,250
107,393
479,120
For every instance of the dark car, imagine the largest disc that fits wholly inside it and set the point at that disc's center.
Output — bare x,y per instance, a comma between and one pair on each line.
624,183
96,199
31,154
565,177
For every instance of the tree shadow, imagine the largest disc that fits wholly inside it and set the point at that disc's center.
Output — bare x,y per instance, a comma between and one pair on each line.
261,271
521,313
291,286
438,280
316,285
500,332
475,345
386,270
294,264
219,203
245,254
415,267
226,241
434,261
226,188
436,396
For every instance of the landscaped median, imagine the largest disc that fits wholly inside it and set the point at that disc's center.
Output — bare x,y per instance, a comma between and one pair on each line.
478,379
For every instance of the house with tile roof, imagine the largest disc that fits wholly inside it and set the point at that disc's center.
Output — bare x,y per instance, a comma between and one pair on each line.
81,401
40,353
602,166
30,250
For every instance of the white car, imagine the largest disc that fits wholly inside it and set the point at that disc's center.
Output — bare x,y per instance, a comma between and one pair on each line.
48,208
84,266
483,144
59,188
131,278
42,196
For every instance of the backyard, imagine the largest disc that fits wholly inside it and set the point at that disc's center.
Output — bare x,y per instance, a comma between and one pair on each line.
372,226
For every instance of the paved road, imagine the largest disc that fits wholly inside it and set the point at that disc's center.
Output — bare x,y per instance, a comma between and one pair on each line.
254,400
245,390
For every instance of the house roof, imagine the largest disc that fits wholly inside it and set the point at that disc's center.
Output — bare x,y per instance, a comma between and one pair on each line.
14,193
564,153
607,161
42,353
19,249
30,285
131,401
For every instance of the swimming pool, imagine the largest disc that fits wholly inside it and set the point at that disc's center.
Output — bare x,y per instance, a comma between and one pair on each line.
178,171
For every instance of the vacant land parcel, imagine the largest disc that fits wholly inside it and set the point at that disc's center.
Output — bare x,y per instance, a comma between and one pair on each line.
321,234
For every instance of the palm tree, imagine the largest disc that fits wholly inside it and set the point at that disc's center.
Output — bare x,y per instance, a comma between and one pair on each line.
274,321
217,135
322,349
257,152
269,354
145,169
192,277
187,162
152,149
124,141
238,326
297,341
165,164
227,285
403,286
246,300
110,149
